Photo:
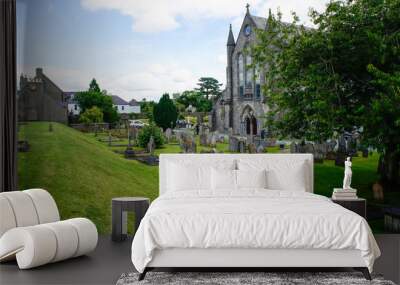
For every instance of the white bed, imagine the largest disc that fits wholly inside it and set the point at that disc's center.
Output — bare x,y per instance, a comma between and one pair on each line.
247,227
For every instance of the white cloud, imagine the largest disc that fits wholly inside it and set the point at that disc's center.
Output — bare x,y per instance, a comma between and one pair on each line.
152,82
164,15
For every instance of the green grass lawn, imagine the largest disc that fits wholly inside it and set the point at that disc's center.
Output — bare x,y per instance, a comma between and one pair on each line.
83,174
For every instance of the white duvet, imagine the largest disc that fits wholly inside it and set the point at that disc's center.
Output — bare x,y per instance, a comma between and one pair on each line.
250,219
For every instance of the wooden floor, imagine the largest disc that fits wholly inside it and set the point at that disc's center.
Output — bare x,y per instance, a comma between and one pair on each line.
110,260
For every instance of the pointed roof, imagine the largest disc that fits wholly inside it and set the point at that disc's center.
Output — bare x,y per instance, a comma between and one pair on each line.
133,102
231,39
118,100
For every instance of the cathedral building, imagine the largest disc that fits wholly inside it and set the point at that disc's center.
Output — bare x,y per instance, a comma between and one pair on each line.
40,99
241,107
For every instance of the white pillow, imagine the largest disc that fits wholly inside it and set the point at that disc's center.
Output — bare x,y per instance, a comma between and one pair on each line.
223,179
184,178
289,175
251,178
284,179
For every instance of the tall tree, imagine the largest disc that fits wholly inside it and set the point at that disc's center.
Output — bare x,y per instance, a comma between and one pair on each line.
93,86
209,87
196,99
343,74
165,113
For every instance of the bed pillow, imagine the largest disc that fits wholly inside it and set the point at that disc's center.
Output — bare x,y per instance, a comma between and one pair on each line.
280,174
223,179
251,178
293,179
184,178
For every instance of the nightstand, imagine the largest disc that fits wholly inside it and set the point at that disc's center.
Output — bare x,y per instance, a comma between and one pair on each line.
120,207
357,205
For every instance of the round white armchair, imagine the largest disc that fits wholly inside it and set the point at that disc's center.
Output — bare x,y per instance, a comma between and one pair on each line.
31,230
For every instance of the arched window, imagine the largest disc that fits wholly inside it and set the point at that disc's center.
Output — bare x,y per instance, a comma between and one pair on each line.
241,74
249,72
258,82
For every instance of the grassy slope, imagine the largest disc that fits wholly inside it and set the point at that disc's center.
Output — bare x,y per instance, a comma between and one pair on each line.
83,174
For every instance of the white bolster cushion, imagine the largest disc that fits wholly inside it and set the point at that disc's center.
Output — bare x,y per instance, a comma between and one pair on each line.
87,235
23,208
45,205
37,245
7,218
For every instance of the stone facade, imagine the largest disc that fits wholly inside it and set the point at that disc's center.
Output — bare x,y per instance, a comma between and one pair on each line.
241,106
39,99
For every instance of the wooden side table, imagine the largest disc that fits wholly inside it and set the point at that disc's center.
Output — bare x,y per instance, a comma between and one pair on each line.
120,207
357,205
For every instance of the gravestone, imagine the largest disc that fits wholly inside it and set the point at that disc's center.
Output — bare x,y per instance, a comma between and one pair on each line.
320,150
242,146
341,151
151,146
212,140
129,152
252,148
203,135
188,144
294,148
261,149
233,144
168,134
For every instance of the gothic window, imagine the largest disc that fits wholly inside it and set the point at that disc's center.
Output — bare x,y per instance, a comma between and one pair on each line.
249,72
258,82
241,74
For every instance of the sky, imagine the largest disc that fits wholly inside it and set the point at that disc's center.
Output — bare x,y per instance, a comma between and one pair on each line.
135,48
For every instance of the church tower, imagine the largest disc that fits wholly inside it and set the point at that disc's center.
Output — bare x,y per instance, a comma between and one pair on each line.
230,47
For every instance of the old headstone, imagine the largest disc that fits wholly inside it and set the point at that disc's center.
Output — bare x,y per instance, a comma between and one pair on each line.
151,146
188,144
168,134
212,140
252,148
233,144
261,149
294,148
242,146
320,150
203,135
341,151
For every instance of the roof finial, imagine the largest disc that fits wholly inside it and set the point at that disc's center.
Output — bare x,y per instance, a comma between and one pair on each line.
247,7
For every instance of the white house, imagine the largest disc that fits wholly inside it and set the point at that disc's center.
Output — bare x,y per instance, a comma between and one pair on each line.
73,106
123,107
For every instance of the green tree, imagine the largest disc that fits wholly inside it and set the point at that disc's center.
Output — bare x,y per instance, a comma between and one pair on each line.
146,108
196,99
146,132
94,97
321,82
93,86
92,115
209,87
165,113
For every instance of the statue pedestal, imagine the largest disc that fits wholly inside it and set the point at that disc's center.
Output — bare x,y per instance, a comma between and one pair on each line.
344,194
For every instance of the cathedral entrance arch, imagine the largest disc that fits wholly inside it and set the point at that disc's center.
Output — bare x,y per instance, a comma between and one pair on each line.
249,121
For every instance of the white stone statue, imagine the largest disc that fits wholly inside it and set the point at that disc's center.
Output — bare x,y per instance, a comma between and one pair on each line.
347,174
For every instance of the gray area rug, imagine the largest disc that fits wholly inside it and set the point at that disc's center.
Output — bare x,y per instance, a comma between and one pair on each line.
228,278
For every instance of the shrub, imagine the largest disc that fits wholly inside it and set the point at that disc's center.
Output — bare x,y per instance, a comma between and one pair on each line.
148,131
92,115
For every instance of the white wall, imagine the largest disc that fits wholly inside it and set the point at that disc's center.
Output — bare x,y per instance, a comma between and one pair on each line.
127,109
74,108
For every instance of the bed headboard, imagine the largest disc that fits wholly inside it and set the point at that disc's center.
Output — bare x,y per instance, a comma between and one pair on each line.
206,158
